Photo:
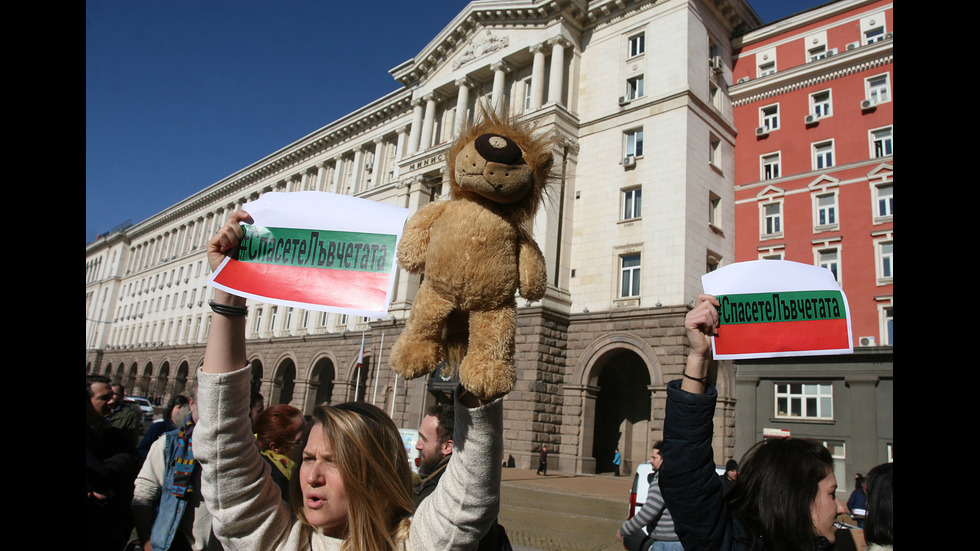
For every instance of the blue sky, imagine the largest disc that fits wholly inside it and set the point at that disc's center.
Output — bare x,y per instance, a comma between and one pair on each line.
182,93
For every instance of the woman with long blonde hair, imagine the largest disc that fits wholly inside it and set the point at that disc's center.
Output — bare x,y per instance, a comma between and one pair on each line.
352,490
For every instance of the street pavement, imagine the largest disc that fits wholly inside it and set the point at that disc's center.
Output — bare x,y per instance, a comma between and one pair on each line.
563,511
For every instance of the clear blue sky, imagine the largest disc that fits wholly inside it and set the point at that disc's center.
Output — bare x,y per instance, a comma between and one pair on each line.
182,93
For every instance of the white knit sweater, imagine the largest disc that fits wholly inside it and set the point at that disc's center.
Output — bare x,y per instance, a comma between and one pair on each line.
249,513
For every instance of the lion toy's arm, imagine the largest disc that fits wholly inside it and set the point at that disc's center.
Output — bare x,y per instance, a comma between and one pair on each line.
533,277
415,237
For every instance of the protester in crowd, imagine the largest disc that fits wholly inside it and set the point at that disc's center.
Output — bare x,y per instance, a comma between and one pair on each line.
256,404
729,476
279,432
654,516
617,461
168,509
785,498
857,502
125,415
353,489
111,464
435,447
878,525
174,415
543,461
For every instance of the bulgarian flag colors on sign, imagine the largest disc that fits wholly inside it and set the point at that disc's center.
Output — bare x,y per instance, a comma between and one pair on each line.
318,251
773,308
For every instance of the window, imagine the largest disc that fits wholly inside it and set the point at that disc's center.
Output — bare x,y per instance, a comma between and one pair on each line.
769,117
876,34
826,210
714,210
823,155
820,104
636,45
527,94
630,276
887,318
258,321
877,88
827,258
805,400
634,87
273,314
632,199
819,52
886,261
884,200
770,166
714,151
772,219
634,143
881,142
767,68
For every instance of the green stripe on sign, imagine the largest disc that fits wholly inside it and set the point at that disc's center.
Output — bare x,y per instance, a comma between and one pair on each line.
782,306
337,250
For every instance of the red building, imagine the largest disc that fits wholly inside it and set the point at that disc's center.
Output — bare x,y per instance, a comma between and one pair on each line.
812,99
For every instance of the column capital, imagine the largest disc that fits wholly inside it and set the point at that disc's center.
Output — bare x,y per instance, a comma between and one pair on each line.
464,81
502,66
537,48
559,41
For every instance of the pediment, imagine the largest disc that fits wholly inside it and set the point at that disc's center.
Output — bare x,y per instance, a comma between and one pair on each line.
823,182
770,191
882,172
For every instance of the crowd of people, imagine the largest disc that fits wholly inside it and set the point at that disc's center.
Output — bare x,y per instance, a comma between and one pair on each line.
342,480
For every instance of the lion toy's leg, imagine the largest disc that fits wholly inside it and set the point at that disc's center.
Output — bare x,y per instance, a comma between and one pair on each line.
488,370
419,350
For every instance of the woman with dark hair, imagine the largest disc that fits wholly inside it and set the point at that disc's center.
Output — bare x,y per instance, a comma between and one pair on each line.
353,487
174,415
785,498
878,523
279,432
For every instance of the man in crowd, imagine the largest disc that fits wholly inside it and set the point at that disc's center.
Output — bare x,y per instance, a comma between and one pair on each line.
124,415
729,476
171,479
653,516
435,447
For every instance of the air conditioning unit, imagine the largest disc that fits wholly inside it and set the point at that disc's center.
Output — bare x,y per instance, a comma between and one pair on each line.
867,105
623,100
811,119
716,64
629,161
866,341
741,80
853,45
762,131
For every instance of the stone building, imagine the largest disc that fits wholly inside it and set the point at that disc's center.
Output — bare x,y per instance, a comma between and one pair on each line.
635,94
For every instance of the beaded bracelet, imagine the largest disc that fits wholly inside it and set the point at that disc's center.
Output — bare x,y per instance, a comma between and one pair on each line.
226,310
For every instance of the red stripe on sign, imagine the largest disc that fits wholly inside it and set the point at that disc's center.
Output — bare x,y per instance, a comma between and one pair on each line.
787,336
338,288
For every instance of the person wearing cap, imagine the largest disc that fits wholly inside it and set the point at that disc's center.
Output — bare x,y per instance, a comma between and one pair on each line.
729,476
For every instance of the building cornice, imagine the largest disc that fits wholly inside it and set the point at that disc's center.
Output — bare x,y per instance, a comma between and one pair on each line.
830,68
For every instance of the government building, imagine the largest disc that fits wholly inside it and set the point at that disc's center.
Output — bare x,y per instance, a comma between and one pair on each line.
639,97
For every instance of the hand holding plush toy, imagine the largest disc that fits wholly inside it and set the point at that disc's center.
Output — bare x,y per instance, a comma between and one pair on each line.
476,252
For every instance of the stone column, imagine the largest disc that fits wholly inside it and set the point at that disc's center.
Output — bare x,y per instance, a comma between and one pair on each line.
416,132
500,70
537,76
556,79
399,151
321,176
462,102
379,151
337,175
425,142
355,176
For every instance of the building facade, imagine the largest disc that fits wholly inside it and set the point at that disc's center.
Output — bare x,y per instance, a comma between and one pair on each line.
814,184
636,95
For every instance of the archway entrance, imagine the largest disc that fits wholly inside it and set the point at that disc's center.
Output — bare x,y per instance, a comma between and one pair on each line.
622,410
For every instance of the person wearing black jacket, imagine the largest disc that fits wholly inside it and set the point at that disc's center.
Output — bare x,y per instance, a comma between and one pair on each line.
785,498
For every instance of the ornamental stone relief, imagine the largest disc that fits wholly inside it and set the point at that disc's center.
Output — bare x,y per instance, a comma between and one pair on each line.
479,47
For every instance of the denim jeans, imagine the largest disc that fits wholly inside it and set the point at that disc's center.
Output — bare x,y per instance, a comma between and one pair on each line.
667,546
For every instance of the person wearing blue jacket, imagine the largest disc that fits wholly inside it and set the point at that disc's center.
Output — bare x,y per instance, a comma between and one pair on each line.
785,498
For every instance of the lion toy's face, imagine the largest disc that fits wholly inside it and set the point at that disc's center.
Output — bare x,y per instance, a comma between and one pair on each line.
493,166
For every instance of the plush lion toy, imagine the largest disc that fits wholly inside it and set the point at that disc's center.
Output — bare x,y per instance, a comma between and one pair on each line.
476,251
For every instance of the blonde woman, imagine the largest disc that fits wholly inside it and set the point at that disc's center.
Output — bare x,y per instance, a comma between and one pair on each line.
353,488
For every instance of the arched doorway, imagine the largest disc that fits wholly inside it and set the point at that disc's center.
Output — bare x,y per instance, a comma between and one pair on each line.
283,383
622,409
321,384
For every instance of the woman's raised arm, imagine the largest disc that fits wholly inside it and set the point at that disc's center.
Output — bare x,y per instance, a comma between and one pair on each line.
225,351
